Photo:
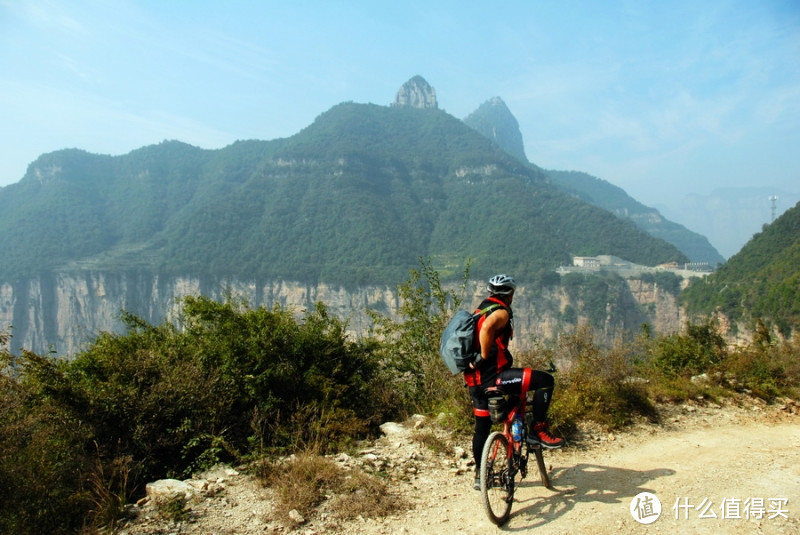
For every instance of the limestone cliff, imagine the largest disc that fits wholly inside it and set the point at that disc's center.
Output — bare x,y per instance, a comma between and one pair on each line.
416,93
65,312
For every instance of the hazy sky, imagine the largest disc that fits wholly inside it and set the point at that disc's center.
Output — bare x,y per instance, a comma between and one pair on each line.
652,96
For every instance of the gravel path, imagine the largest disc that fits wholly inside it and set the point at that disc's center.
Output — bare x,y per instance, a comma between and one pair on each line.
715,462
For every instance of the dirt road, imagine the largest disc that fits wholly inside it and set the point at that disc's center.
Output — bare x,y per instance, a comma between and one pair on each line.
710,467
711,455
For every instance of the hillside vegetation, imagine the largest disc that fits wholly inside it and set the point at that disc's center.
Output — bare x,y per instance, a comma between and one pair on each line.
355,198
760,282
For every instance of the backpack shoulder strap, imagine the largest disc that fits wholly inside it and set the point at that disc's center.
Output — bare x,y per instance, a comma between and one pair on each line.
491,307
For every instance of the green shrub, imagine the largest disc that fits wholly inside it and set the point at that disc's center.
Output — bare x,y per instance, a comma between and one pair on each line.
665,388
183,400
430,440
42,459
596,384
173,509
80,437
689,354
763,368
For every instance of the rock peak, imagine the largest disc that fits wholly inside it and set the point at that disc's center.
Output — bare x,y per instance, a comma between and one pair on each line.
416,93
494,120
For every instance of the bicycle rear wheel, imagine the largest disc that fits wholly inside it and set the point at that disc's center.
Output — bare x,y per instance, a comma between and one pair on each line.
497,487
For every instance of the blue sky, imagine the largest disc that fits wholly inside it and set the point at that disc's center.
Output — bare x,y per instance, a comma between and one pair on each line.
659,98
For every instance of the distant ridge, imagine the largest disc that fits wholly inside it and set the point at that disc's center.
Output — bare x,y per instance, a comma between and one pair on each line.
614,199
494,120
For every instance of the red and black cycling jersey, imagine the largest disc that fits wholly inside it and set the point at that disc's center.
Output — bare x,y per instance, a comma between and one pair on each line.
499,357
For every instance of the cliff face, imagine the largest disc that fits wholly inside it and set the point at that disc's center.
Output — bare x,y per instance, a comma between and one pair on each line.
416,93
65,312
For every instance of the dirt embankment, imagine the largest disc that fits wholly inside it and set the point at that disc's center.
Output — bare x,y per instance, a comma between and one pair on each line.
715,470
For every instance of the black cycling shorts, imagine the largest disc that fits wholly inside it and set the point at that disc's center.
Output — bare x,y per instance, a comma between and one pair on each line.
513,382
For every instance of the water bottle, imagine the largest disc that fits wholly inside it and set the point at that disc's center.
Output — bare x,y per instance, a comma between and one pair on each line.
516,428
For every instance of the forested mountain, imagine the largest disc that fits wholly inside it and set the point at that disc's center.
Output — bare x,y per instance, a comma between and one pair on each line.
762,281
356,197
494,120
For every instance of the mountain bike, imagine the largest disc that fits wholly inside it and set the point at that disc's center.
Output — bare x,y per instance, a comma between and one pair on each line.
503,458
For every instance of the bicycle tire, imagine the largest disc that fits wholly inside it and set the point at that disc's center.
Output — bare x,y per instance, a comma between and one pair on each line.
497,490
537,452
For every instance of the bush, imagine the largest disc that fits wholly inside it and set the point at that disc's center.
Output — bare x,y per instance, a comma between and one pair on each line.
692,353
763,368
180,401
80,438
42,464
596,384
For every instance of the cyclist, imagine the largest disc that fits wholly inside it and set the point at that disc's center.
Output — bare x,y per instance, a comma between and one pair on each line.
493,369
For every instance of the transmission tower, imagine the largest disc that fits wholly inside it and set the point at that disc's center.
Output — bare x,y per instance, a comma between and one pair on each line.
773,199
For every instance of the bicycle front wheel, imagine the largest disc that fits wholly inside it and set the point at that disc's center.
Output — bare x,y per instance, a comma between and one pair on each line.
497,485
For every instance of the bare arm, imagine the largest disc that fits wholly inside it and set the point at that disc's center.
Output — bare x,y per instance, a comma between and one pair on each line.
491,325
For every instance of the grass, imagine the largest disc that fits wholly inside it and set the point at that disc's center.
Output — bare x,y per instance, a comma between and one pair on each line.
108,487
174,509
433,442
307,482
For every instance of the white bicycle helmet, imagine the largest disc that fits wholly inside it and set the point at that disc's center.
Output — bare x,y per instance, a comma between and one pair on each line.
501,285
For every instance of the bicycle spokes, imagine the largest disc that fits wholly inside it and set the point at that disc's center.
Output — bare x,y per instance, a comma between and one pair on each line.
497,478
